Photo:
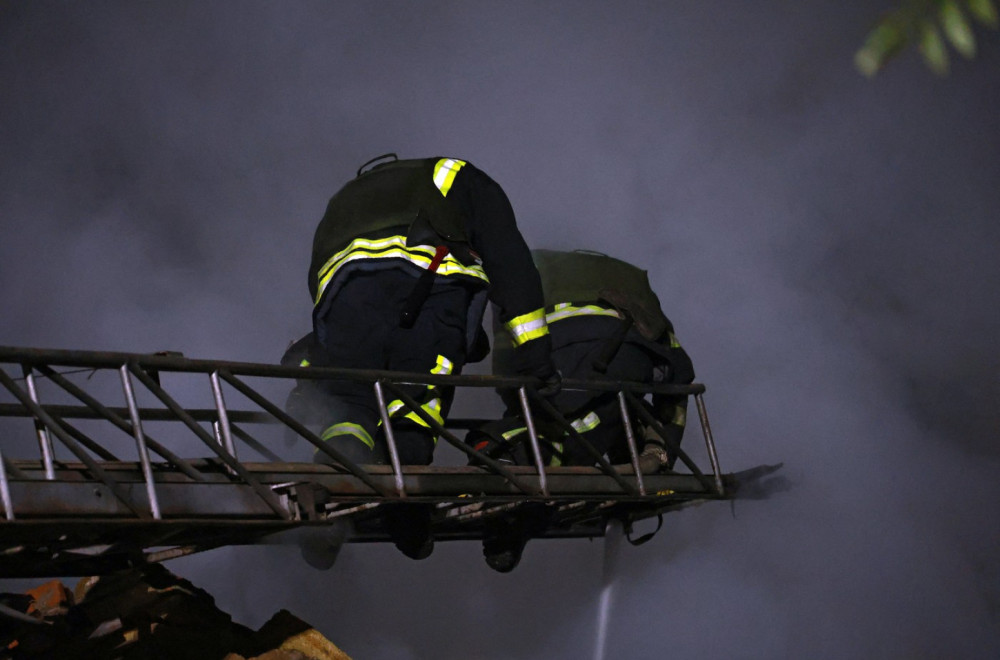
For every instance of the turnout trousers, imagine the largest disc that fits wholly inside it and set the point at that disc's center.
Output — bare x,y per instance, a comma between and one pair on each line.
597,416
360,329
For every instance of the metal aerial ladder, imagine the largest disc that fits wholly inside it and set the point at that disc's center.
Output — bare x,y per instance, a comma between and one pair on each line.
94,476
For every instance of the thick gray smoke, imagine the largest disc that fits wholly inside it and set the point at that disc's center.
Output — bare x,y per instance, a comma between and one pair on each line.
825,245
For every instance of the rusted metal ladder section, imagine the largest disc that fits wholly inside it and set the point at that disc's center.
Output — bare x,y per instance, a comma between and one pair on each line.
98,512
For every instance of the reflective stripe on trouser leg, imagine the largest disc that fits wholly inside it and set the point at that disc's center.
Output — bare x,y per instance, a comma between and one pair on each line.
430,402
348,428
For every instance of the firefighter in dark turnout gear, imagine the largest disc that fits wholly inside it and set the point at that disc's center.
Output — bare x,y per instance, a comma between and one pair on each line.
403,263
605,322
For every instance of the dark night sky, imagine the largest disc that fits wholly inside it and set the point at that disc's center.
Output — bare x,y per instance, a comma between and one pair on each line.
825,245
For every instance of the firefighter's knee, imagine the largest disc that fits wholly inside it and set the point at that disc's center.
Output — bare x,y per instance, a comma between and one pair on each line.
414,443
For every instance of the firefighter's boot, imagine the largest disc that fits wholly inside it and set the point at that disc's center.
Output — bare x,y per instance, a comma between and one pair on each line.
409,527
506,536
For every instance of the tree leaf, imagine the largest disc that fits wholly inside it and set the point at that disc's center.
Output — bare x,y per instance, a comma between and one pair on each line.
933,49
985,12
884,41
957,29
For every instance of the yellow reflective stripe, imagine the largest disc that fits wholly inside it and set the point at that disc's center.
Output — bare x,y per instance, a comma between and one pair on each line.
304,363
507,435
349,428
432,408
444,173
586,423
673,341
566,310
555,461
528,326
443,366
680,416
392,247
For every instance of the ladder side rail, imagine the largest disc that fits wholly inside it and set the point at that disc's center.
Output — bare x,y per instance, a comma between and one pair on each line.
706,431
71,444
536,450
304,432
390,439
649,419
414,407
265,493
633,450
553,413
147,414
176,363
44,439
117,420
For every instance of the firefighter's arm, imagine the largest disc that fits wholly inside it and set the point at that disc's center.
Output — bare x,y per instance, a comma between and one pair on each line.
515,286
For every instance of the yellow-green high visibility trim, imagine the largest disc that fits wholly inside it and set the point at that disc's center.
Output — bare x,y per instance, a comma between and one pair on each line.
349,428
442,366
392,247
528,326
566,310
673,341
680,416
586,423
513,433
432,408
555,461
444,173
304,362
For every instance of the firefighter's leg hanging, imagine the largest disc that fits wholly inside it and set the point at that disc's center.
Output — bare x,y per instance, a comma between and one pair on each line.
354,333
436,343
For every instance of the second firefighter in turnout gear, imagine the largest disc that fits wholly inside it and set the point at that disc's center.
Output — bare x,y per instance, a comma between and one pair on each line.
403,263
606,323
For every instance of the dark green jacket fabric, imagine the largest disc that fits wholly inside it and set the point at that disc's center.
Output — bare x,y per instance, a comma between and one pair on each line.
475,221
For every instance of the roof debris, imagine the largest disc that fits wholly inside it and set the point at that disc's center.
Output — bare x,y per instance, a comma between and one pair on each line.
145,612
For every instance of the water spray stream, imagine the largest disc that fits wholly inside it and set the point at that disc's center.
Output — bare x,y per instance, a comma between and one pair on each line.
613,534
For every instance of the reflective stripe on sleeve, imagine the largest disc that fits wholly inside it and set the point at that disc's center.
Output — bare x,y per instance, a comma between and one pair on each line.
528,326
444,173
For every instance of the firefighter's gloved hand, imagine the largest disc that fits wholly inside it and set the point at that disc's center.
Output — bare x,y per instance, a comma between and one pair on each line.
653,458
551,380
534,360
